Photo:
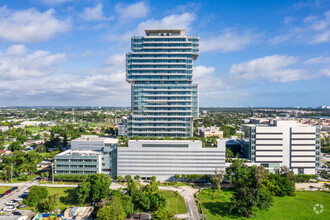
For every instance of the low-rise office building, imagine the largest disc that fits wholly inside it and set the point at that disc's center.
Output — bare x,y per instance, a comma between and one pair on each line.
89,154
287,143
210,132
165,158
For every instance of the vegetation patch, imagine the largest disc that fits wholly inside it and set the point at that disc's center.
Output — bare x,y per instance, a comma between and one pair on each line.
217,206
171,203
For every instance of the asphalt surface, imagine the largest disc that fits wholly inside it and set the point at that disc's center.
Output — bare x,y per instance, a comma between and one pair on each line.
22,187
187,193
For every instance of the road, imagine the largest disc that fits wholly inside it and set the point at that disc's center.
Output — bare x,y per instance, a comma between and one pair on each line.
187,193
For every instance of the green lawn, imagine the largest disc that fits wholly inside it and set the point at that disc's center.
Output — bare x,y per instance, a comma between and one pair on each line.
37,129
4,189
170,203
66,196
216,206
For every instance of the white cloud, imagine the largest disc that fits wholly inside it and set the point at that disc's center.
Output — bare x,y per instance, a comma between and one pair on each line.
16,63
180,21
276,68
228,41
318,60
313,30
34,77
325,72
54,2
30,25
94,13
132,11
116,60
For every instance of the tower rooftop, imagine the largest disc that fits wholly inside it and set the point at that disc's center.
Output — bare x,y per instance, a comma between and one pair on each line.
165,32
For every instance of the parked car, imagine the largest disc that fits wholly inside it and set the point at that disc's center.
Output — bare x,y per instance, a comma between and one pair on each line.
9,209
23,196
14,188
18,199
21,206
17,213
7,192
2,195
10,203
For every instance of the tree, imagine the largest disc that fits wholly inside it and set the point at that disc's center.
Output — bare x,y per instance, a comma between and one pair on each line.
229,153
41,148
285,172
137,178
36,194
176,176
163,214
153,178
44,174
113,211
128,178
260,175
100,184
49,204
120,178
218,177
22,138
246,199
83,192
37,137
249,194
14,146
239,174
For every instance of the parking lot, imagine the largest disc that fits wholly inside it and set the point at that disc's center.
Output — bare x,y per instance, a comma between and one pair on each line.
7,202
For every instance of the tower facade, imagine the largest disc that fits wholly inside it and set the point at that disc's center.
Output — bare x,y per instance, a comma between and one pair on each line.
160,70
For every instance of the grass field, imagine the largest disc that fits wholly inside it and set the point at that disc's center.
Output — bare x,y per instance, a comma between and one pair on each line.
299,207
4,189
66,198
37,129
170,203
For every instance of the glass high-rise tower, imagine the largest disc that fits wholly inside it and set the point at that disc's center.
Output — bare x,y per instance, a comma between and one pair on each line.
160,70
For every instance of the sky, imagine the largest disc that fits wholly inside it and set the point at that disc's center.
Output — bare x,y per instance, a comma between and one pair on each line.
273,53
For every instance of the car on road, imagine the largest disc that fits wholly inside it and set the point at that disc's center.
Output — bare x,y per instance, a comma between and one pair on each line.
21,206
9,209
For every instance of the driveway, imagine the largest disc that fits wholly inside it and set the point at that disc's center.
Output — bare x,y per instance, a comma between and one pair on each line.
187,192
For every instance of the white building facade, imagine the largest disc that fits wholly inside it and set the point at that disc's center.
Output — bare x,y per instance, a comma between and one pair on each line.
89,154
165,158
287,143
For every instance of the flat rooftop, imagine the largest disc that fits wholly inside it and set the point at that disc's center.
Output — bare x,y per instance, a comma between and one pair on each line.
165,141
80,153
165,32
97,138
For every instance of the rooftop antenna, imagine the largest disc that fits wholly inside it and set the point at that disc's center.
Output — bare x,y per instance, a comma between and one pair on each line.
73,115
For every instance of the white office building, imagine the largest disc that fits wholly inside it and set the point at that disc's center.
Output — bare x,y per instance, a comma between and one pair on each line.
165,158
288,143
89,154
